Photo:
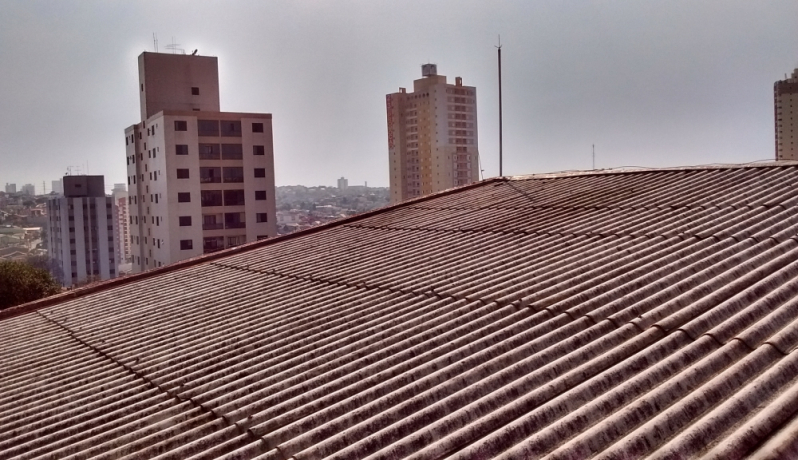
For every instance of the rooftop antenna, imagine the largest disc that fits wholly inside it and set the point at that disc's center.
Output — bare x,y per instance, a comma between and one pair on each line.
175,47
155,41
594,156
499,49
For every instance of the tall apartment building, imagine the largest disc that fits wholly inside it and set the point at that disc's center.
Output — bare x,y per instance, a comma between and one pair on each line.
11,188
785,95
57,187
81,232
200,180
29,189
432,136
119,193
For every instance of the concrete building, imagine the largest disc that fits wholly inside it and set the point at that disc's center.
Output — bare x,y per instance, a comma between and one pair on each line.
432,136
82,232
200,180
785,95
343,183
119,194
29,189
11,188
57,187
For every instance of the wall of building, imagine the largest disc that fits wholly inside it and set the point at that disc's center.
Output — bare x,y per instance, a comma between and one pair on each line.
785,95
166,82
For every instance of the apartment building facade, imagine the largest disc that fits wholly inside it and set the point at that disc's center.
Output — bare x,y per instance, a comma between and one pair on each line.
432,136
82,231
119,193
199,180
785,96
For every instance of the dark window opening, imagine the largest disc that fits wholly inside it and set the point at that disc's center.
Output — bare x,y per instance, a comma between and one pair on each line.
194,91
181,149
186,244
185,221
257,127
182,173
180,125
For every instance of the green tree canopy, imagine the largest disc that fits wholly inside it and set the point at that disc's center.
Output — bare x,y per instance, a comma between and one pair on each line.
21,282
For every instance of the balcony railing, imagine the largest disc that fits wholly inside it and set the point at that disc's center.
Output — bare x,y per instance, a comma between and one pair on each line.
213,226
208,180
235,224
208,250
229,179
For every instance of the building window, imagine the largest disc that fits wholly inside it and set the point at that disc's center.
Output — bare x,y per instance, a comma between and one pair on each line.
258,150
208,128
234,220
209,152
211,197
185,221
184,197
260,194
214,243
181,149
194,91
181,125
186,244
182,173
260,172
210,175
261,217
262,237
233,174
236,240
257,127
232,152
231,128
233,197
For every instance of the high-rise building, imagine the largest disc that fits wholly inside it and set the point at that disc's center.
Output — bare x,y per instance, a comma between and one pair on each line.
343,183
119,193
57,187
432,136
11,188
785,95
29,189
200,180
81,234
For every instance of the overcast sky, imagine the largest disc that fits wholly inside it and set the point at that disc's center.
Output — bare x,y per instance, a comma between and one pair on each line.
650,83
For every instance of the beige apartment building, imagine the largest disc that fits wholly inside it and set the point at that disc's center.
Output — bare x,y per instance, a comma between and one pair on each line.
432,136
200,180
785,95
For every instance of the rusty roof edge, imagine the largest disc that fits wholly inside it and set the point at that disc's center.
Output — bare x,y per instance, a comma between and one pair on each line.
204,258
643,169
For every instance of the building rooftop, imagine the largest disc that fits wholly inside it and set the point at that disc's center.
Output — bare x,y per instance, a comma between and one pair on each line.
613,315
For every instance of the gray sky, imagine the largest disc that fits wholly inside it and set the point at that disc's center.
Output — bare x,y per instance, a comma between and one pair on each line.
650,83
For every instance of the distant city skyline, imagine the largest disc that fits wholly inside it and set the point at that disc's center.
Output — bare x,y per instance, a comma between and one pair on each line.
649,83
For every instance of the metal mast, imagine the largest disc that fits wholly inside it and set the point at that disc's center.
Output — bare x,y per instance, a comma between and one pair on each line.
499,49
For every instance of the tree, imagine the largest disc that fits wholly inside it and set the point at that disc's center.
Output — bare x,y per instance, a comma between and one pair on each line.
21,282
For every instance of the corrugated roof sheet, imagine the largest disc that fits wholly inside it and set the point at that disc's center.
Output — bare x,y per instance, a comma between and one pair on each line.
612,315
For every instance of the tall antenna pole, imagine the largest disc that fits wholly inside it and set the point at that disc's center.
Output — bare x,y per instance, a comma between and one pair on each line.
594,156
499,49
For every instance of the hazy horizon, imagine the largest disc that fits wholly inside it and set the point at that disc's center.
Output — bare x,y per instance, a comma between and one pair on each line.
649,83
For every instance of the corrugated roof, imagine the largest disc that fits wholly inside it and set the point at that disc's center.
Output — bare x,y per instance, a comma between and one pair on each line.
608,315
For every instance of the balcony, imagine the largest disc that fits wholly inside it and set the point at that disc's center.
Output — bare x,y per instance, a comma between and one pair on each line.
210,180
229,179
235,224
213,226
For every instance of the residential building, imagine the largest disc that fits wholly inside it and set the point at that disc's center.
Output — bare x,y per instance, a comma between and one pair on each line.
432,136
119,194
343,183
81,231
57,187
623,314
785,96
29,189
200,180
11,188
